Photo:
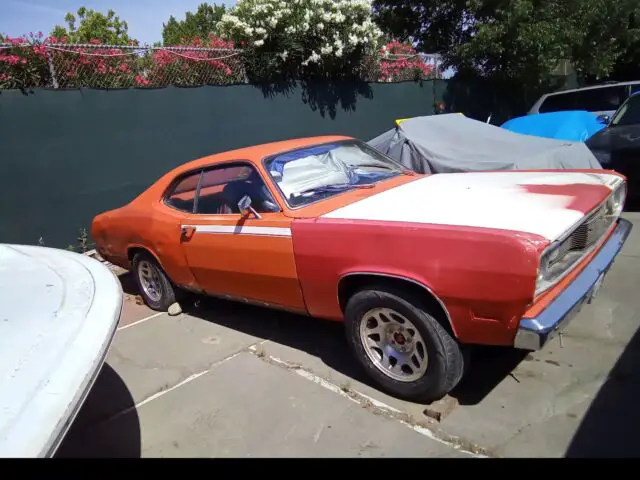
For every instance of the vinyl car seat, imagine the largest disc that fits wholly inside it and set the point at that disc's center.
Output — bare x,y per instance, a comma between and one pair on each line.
257,191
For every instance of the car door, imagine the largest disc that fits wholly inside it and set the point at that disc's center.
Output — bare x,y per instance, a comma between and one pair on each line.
242,256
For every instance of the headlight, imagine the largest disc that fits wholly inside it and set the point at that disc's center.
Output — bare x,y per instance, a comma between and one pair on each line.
559,257
618,198
548,257
555,261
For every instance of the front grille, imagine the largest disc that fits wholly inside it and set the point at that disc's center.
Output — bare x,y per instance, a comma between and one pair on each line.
588,233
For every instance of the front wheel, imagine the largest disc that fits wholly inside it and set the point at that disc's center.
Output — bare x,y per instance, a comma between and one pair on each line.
401,345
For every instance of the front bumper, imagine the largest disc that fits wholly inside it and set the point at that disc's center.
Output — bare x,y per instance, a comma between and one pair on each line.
534,333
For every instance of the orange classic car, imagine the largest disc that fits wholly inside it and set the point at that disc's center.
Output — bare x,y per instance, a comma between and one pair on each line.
418,267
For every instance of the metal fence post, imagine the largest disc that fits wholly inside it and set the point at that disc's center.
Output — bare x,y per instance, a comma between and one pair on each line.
52,69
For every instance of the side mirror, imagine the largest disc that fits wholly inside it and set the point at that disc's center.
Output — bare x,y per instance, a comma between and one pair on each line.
603,119
245,207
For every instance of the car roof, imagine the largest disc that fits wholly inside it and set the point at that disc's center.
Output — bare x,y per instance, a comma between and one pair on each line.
594,87
256,153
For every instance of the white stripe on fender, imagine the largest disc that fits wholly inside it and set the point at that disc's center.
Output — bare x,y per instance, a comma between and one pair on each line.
243,230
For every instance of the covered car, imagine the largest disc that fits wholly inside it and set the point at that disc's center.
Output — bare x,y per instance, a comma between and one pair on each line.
454,143
573,125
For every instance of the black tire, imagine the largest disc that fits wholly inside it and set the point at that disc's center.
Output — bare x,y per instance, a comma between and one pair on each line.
445,357
166,290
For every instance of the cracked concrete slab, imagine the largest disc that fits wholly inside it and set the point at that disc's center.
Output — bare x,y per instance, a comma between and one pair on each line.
165,350
250,408
499,402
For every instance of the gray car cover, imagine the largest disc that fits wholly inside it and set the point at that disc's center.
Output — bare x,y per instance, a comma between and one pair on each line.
454,143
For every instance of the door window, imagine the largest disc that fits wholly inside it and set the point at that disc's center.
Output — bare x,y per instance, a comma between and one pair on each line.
222,188
592,100
560,102
602,99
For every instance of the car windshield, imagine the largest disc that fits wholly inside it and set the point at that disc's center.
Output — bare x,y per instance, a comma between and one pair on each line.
629,113
312,173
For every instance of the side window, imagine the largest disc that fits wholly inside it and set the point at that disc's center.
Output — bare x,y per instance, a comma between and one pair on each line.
222,188
559,102
602,99
635,88
183,195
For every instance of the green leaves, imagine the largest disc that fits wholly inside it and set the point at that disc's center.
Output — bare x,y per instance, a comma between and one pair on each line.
195,25
520,41
93,26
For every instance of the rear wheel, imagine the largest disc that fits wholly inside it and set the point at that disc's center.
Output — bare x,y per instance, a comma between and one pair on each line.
155,287
401,344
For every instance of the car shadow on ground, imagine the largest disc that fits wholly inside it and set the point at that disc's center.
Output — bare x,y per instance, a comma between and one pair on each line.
326,340
95,432
610,426
129,285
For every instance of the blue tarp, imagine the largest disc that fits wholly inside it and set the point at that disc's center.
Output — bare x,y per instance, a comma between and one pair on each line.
574,125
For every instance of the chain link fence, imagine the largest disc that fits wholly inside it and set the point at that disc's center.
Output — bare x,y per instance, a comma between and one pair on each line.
117,66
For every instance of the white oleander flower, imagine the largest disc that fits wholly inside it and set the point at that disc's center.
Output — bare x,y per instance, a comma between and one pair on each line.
314,58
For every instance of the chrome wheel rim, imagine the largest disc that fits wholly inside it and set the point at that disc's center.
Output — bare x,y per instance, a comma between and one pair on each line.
150,280
393,344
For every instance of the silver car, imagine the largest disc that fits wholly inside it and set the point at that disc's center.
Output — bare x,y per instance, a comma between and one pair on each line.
602,100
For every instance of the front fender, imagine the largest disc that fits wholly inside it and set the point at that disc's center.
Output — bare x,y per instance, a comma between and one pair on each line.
484,278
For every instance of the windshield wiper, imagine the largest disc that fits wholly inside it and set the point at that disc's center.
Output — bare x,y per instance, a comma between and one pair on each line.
386,167
377,165
338,187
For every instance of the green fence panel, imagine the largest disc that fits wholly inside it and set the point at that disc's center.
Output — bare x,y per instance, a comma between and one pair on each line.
66,155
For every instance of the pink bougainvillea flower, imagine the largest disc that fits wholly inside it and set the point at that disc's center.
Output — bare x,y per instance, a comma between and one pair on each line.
10,59
140,80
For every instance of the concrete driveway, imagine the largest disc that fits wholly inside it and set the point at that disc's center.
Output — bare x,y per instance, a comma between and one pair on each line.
229,380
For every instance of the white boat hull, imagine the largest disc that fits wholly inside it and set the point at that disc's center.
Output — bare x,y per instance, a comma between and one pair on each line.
58,314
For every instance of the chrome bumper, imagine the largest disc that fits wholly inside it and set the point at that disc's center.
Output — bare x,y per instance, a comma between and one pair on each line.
534,333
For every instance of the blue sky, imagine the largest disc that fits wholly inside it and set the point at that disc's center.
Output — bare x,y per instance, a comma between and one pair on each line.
144,17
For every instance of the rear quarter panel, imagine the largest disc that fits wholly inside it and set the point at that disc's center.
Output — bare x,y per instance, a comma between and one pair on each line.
485,278
153,227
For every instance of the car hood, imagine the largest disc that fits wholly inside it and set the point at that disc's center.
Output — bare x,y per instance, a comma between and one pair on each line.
616,138
542,203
